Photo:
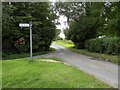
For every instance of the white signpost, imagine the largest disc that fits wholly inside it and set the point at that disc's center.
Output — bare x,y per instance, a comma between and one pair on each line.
24,25
30,26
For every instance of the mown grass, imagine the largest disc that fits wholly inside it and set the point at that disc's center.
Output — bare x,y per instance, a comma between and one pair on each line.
106,57
64,43
24,74
23,55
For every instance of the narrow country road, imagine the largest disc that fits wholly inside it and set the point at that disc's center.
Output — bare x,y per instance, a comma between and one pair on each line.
102,70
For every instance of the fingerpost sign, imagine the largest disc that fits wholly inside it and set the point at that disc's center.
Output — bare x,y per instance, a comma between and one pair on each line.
30,26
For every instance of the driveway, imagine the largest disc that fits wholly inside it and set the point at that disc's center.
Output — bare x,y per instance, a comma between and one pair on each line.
102,70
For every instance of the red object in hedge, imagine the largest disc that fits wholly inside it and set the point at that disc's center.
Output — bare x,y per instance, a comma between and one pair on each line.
20,41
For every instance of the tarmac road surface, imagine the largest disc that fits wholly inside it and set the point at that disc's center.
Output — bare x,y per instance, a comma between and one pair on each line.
102,70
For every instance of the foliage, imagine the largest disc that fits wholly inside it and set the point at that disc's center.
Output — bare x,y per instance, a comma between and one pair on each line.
43,27
95,45
110,20
103,45
71,10
114,20
57,37
7,26
82,30
66,33
9,55
100,56
100,22
86,25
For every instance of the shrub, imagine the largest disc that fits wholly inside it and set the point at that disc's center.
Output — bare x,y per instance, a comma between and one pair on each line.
111,45
103,45
94,45
80,31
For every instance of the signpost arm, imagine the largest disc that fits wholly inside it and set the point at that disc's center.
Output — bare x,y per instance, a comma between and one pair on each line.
31,40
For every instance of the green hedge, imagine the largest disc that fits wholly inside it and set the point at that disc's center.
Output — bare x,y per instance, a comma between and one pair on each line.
103,45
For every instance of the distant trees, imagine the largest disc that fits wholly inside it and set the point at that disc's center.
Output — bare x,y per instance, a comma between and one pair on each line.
43,28
57,37
72,10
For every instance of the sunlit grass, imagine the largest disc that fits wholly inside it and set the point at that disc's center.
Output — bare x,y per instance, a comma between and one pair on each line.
24,74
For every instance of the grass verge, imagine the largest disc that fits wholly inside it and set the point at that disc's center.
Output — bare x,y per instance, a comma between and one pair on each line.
23,55
38,74
105,57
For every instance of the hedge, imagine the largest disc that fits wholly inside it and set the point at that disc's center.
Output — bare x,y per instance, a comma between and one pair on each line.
109,45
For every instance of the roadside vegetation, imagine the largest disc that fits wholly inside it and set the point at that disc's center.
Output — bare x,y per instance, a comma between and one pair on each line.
44,73
15,40
94,28
86,21
8,55
100,56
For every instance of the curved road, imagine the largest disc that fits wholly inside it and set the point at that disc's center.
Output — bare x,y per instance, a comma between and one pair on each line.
102,70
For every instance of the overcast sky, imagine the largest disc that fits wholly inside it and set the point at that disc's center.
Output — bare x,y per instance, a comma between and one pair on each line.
63,22
63,25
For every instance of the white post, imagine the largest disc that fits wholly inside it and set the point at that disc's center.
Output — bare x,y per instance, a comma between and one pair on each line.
31,41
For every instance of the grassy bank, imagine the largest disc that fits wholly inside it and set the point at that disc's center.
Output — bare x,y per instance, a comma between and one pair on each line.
23,55
106,57
41,74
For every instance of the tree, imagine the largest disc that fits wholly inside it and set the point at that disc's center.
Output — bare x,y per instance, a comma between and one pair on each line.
113,19
109,19
72,10
66,34
85,27
43,26
82,30
57,37
7,26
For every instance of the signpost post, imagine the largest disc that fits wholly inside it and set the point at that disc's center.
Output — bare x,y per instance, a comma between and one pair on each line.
30,40
30,26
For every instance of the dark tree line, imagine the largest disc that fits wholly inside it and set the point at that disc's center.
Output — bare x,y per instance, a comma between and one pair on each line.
16,39
86,20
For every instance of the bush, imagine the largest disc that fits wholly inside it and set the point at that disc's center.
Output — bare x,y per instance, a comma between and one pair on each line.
80,31
79,45
103,45
58,38
94,45
111,45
